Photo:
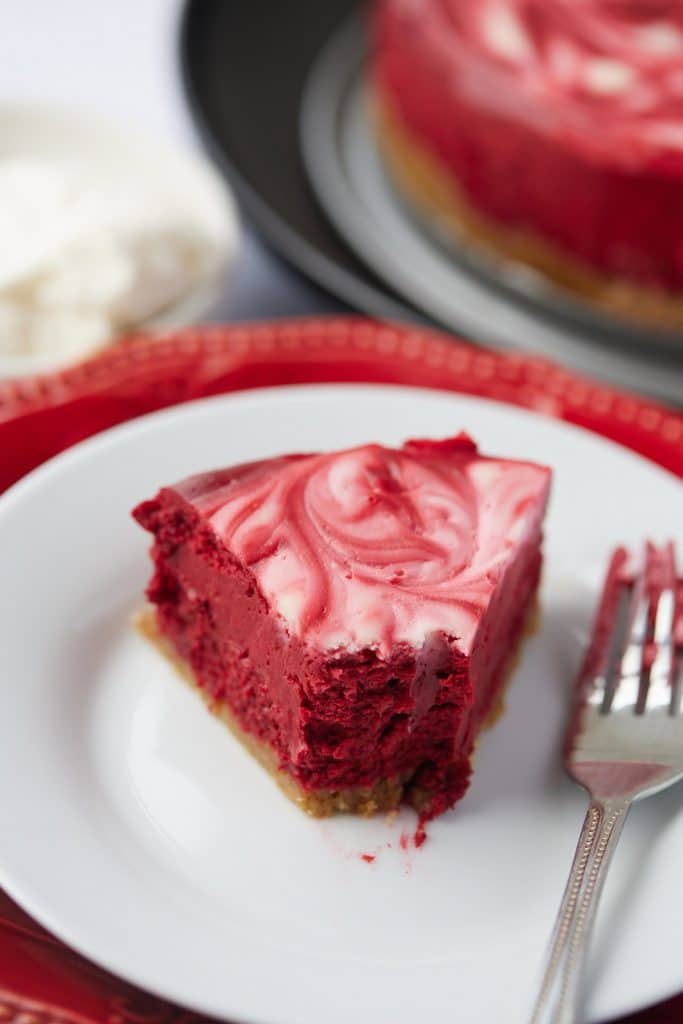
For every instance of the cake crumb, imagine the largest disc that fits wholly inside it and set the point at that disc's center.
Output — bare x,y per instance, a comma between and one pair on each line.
417,839
420,835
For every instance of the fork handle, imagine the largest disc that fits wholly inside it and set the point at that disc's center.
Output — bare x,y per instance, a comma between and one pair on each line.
558,998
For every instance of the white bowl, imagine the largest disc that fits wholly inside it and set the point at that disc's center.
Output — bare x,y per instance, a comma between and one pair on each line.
39,131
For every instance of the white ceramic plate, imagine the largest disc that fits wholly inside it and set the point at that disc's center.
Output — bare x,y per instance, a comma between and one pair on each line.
139,831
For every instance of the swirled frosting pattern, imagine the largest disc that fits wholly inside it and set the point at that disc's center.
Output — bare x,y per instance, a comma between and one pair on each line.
604,72
374,546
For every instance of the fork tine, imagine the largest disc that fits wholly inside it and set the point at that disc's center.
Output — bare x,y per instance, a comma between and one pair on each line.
677,648
599,658
652,575
676,690
625,688
663,692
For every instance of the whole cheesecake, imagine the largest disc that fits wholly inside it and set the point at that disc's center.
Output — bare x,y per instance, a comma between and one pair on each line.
546,132
351,616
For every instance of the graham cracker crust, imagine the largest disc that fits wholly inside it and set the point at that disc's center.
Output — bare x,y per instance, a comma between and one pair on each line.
383,796
434,191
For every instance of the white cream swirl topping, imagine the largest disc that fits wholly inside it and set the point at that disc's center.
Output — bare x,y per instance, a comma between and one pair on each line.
373,546
608,72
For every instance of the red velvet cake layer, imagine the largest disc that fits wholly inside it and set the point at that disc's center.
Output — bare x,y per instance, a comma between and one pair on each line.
239,560
558,116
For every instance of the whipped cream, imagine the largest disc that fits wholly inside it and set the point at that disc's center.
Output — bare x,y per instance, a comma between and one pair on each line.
87,255
375,546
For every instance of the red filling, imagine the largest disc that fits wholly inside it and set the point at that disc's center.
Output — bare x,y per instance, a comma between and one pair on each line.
334,720
622,216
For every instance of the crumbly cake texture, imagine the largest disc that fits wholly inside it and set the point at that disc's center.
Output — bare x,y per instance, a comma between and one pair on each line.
383,795
544,133
351,616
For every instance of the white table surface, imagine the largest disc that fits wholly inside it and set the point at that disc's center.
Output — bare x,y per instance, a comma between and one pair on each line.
119,59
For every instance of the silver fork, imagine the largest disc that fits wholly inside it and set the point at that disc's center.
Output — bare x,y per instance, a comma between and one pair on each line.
624,742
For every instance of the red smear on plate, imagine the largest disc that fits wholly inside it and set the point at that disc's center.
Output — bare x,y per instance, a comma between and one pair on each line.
420,835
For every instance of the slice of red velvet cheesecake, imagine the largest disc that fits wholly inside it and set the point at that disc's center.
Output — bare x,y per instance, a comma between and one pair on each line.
351,616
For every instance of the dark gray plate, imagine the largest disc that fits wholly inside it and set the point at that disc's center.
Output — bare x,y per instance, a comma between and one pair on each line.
245,64
247,73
